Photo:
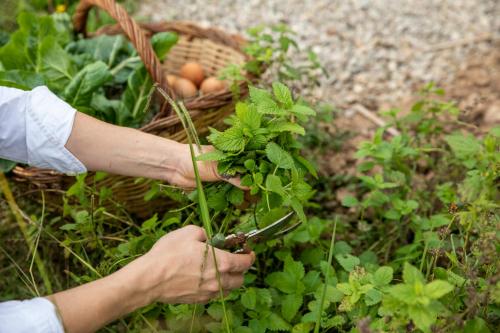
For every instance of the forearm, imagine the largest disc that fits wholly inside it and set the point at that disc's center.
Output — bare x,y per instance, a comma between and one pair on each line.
91,306
125,151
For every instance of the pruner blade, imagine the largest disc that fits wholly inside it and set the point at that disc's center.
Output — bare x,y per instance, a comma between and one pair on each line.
273,230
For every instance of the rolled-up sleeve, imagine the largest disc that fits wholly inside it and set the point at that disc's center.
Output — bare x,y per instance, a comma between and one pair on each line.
34,128
37,315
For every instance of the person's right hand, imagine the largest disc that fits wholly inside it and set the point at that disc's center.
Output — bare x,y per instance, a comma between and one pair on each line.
175,268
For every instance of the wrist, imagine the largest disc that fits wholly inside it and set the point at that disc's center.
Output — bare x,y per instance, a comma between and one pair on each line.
173,161
139,281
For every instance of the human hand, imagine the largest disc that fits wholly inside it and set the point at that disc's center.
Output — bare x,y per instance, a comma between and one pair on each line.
175,262
183,175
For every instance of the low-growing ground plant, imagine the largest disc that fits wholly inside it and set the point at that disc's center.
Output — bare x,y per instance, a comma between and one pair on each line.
414,248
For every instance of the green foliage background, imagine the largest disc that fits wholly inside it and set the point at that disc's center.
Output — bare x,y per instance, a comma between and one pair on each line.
416,246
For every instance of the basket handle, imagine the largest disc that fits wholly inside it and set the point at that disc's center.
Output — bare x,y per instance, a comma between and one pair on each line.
132,30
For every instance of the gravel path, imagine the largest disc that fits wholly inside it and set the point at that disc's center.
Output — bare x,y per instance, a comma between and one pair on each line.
377,52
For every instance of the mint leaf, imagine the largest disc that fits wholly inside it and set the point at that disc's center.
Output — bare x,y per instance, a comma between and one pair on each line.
230,140
437,288
257,94
303,110
273,184
278,127
422,317
248,116
372,297
283,94
215,155
264,102
383,276
411,274
278,156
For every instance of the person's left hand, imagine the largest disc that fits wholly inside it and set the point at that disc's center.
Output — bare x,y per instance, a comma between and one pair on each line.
184,172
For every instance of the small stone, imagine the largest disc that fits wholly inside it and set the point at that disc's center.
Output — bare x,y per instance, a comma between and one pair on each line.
492,115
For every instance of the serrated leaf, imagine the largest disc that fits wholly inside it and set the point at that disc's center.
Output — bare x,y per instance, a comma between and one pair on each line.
288,281
298,208
248,116
403,292
264,297
264,102
372,297
437,289
282,94
231,139
257,94
411,274
463,146
273,184
308,165
249,298
279,156
217,200
278,127
290,306
302,191
347,261
422,317
214,155
275,323
302,110
235,196
383,276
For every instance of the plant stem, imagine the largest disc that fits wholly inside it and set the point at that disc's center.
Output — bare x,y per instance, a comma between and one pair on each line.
183,114
4,186
323,294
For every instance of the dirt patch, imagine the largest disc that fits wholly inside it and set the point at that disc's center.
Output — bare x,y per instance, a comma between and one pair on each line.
475,89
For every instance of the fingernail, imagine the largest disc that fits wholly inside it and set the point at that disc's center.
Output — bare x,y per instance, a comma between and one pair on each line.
226,176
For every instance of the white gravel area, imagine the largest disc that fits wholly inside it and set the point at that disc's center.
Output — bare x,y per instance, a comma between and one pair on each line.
376,52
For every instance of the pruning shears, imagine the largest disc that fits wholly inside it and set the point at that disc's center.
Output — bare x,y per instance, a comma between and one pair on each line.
238,241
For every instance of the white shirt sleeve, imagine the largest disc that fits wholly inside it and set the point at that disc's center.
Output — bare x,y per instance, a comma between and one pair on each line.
34,128
37,315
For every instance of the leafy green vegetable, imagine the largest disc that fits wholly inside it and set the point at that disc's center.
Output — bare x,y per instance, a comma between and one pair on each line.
259,146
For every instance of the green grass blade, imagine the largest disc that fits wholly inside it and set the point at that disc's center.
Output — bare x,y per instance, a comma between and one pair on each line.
183,114
323,294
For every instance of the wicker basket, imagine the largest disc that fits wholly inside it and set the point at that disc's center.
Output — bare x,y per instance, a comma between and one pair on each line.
212,48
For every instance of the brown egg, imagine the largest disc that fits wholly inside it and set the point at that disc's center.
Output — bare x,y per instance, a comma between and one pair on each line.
212,84
193,72
184,88
171,79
